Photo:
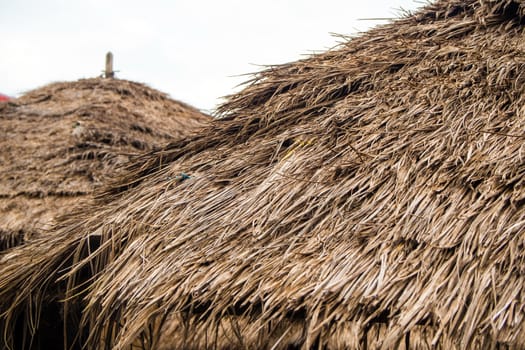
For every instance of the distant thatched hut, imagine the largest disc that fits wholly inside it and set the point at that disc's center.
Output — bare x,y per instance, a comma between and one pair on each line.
369,196
58,142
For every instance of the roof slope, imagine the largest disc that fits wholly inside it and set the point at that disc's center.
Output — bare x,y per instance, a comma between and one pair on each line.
61,140
372,193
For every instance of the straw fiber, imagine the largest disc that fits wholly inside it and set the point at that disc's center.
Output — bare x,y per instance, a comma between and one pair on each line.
371,196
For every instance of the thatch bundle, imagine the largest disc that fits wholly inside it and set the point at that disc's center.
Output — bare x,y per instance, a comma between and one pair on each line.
59,142
368,196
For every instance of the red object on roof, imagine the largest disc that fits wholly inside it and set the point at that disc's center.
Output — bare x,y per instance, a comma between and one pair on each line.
4,97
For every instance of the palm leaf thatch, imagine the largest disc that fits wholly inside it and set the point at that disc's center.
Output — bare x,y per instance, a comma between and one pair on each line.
369,196
60,141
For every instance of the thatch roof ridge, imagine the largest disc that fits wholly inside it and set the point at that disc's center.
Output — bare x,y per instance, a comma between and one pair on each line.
443,19
377,183
97,121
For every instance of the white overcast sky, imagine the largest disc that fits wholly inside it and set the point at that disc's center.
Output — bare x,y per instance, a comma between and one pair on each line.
194,50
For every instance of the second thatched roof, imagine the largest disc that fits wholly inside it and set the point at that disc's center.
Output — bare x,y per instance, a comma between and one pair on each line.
60,141
370,196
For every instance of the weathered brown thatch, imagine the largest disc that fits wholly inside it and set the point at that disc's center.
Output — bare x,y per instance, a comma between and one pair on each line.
368,196
59,142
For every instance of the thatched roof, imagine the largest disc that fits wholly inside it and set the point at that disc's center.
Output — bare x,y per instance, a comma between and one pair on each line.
368,196
59,142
